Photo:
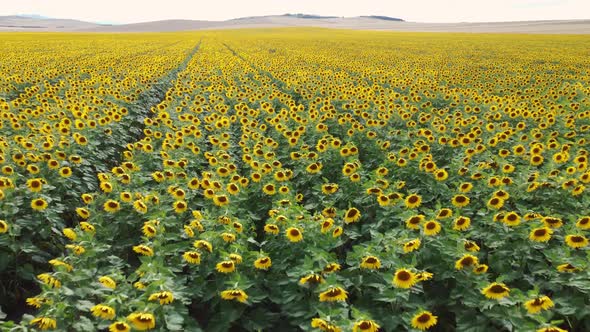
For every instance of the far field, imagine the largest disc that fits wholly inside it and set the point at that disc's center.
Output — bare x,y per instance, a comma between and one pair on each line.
296,179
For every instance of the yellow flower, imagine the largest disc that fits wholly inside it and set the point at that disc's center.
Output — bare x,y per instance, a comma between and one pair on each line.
431,228
107,282
35,185
460,201
234,294
461,223
495,291
465,261
424,320
50,281
542,234
3,226
370,262
413,222
44,323
179,206
225,267
142,321
551,329
294,234
576,241
165,297
365,326
352,215
311,278
192,257
404,278
103,311
413,201
263,263
412,245
38,204
119,327
333,294
143,250
111,206
537,304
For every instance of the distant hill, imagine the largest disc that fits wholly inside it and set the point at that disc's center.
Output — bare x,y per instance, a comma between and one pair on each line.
374,22
39,23
385,18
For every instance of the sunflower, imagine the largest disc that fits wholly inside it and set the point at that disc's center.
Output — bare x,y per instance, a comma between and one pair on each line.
165,297
537,304
496,291
413,201
552,222
576,241
220,200
352,215
103,311
480,268
179,206
495,203
111,206
140,207
327,224
108,282
144,250
337,231
370,262
192,257
4,227
460,201
263,263
404,278
234,294
294,234
411,245
441,175
424,320
466,261
583,223
511,219
271,229
542,234
413,222
365,326
431,228
329,188
470,246
65,172
119,327
567,268
202,244
35,185
333,294
311,279
461,223
551,329
142,321
444,213
226,266
44,323
465,187
39,204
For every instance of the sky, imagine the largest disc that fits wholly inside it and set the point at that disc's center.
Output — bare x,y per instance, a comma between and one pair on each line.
133,11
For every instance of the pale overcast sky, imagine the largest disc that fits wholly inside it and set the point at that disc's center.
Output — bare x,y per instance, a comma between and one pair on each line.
130,11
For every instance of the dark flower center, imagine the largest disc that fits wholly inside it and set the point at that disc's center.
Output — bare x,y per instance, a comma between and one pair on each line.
404,276
424,318
497,289
431,225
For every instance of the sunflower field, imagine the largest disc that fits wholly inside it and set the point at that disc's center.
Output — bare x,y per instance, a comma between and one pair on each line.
294,180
